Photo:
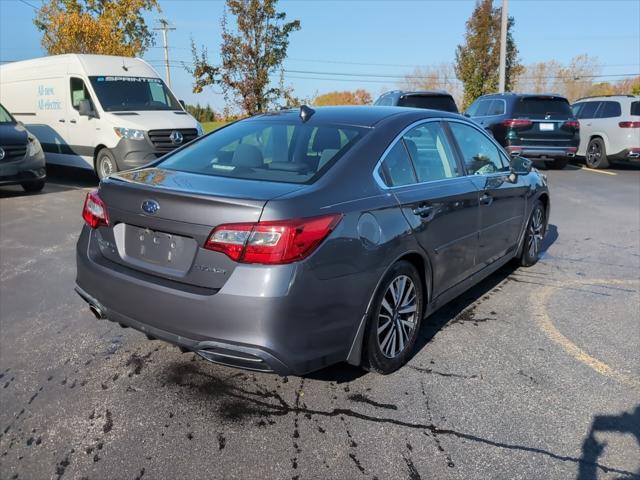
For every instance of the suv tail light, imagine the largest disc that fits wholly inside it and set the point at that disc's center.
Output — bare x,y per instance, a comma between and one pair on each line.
629,124
271,243
575,124
94,211
517,123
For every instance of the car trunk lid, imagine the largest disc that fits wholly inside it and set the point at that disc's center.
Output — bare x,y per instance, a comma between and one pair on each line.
160,219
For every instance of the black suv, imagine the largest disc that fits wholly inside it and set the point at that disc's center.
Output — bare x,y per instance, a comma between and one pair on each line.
532,125
434,100
21,156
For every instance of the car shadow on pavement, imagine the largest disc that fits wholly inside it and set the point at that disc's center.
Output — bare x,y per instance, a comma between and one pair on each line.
592,449
59,179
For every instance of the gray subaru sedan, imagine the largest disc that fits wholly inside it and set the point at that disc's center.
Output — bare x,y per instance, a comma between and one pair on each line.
294,240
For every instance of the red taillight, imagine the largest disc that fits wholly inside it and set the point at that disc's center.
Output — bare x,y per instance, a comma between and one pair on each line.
575,124
94,211
629,124
517,123
276,242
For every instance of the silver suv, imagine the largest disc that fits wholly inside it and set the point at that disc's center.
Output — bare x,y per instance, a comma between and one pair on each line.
609,129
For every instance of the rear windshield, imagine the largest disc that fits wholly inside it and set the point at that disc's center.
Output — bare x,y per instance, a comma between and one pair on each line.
635,108
540,107
290,152
434,102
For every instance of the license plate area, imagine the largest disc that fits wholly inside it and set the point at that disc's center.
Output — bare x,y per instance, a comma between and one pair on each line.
154,250
547,127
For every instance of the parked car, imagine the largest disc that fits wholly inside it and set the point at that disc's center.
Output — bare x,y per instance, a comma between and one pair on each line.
293,240
96,111
432,99
610,129
21,157
534,126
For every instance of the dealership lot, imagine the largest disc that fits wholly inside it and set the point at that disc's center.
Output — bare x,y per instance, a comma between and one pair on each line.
533,373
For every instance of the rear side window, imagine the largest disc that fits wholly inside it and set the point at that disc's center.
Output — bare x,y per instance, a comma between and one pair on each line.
541,107
635,108
496,107
396,169
481,156
385,100
609,110
271,151
431,153
588,110
434,102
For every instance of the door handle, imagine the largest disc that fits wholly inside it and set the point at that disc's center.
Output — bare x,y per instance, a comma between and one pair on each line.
486,199
423,211
72,121
62,120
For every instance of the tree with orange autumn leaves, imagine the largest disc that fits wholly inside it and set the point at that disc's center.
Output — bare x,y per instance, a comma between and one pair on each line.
108,27
357,97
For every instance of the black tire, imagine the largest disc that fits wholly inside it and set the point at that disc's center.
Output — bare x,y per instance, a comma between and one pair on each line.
33,187
105,164
596,154
557,163
378,355
533,236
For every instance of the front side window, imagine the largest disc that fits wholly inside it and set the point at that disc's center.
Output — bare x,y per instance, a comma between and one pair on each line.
79,92
431,153
609,110
481,156
290,152
121,94
5,117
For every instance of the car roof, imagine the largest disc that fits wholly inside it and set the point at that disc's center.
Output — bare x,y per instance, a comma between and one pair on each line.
433,93
357,115
602,97
516,95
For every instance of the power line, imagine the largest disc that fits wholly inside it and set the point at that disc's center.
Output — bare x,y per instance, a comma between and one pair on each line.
29,4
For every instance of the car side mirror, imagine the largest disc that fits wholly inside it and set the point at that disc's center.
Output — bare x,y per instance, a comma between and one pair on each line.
184,105
520,166
85,109
466,115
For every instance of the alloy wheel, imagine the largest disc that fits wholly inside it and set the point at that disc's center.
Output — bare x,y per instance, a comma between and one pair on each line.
536,233
398,316
594,154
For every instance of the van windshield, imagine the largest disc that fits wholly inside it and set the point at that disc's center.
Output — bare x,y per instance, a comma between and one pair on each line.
5,117
290,152
121,94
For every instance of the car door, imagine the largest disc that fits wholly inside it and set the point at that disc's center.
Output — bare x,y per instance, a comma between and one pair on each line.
81,129
440,204
502,197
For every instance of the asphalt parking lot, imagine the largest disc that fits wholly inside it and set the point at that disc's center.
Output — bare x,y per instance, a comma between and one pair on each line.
535,373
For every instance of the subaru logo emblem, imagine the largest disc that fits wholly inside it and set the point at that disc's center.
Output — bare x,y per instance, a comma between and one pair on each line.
176,137
150,206
1,153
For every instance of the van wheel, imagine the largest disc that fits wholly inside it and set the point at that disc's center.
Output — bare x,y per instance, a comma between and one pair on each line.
105,164
596,154
394,320
557,164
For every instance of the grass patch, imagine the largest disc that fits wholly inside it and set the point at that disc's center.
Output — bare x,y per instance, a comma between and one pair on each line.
211,126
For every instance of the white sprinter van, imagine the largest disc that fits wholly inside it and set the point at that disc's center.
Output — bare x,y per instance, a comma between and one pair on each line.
96,111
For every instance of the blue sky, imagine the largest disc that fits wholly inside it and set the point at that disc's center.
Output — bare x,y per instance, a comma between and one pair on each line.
374,37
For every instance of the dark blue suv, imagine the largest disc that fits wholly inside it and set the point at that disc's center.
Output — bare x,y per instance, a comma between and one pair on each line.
536,126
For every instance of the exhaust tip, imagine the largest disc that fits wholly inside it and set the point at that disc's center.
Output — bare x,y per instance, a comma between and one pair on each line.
97,312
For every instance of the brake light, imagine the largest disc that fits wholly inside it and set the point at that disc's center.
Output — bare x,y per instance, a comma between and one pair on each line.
94,211
273,242
629,124
575,124
517,123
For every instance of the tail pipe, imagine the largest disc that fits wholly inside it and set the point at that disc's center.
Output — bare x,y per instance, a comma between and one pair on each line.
97,311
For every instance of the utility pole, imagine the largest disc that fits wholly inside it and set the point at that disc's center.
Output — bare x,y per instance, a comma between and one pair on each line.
503,46
165,28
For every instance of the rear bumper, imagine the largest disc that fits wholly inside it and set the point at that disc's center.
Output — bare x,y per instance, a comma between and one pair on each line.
542,152
629,154
283,319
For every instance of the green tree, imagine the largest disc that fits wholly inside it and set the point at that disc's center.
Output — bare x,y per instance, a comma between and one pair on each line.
478,59
251,51
108,27
357,97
